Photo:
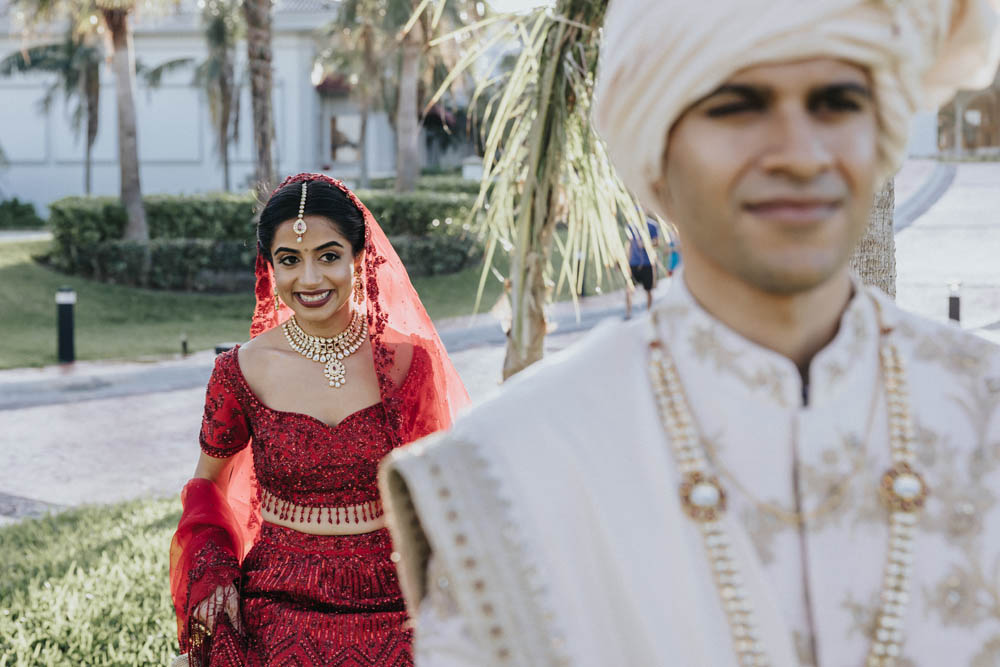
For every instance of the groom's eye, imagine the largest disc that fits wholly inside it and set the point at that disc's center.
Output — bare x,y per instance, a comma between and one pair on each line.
732,100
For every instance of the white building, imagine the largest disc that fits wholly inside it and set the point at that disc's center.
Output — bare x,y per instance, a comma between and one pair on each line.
177,147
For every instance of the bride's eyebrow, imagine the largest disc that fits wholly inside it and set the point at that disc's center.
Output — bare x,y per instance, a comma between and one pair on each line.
326,245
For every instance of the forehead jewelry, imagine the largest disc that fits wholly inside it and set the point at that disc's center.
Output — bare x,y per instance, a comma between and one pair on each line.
299,226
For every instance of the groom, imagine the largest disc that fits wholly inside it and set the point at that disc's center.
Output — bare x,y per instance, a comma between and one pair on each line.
777,466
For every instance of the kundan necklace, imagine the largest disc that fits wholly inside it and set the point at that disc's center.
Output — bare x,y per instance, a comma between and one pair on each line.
329,351
703,498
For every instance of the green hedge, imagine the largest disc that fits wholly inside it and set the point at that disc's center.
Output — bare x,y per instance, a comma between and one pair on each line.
79,223
436,254
206,242
415,212
437,183
226,266
180,264
16,214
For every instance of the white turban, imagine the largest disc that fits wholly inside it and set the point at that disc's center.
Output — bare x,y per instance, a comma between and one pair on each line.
660,56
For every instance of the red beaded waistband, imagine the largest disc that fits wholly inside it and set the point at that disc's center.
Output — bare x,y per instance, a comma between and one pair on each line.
289,511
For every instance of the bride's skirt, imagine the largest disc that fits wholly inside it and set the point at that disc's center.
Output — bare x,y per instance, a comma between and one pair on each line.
321,600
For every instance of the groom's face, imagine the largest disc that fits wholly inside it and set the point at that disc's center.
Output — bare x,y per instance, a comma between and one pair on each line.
771,177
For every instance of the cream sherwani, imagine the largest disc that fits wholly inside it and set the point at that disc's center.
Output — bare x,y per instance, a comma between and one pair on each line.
557,536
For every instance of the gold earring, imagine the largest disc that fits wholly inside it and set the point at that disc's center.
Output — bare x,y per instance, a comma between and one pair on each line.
277,300
359,291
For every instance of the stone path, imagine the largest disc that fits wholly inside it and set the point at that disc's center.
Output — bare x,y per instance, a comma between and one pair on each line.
956,239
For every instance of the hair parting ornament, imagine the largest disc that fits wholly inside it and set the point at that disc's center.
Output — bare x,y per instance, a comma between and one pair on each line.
299,226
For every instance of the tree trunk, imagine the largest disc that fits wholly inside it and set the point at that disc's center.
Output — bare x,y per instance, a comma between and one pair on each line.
959,145
537,219
363,145
370,69
528,297
407,125
87,163
92,98
123,63
874,258
258,18
225,114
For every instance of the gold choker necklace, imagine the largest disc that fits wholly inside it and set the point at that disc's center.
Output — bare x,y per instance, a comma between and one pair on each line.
703,498
329,351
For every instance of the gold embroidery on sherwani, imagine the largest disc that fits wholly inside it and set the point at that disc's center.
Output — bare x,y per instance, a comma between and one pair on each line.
864,623
989,656
962,355
708,347
803,649
956,383
955,598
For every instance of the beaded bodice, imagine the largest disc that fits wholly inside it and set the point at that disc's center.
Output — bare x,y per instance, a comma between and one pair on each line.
297,457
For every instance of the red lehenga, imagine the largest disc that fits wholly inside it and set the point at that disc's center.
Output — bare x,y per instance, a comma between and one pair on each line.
309,599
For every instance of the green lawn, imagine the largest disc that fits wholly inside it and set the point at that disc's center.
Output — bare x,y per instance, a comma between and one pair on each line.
116,322
89,587
112,322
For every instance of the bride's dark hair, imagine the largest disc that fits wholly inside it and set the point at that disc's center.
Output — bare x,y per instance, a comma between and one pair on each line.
321,199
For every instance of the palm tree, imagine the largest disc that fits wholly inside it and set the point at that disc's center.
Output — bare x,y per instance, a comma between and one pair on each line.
258,23
215,75
544,164
874,258
358,47
77,63
374,27
116,14
411,46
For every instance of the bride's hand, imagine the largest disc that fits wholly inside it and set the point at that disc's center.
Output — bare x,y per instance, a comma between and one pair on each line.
223,598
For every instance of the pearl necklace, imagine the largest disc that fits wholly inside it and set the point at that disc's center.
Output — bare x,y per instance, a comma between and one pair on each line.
329,351
703,498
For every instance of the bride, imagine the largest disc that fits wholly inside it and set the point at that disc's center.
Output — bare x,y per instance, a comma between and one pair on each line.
281,555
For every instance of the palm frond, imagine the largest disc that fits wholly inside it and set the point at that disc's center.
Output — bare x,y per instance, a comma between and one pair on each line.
543,163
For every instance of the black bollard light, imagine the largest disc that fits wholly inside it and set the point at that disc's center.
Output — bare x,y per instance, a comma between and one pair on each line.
65,301
955,301
184,345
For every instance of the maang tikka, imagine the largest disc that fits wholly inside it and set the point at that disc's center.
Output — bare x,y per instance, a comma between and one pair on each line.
299,226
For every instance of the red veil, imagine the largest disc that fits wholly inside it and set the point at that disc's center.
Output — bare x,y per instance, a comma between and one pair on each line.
227,514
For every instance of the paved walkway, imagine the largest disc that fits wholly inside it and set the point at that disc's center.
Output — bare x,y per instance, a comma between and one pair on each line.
24,235
100,432
956,239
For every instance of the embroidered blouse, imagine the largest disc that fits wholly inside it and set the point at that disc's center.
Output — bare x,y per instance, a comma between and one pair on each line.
297,457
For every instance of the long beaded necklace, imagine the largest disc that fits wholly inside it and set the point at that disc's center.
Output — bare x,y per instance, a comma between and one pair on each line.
328,351
703,498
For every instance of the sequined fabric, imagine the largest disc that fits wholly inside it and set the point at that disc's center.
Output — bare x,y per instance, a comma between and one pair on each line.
297,457
323,600
307,599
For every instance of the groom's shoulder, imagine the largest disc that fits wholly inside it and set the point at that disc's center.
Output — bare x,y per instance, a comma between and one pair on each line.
935,348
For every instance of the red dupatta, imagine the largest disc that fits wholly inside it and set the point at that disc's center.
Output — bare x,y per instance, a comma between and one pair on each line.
221,520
